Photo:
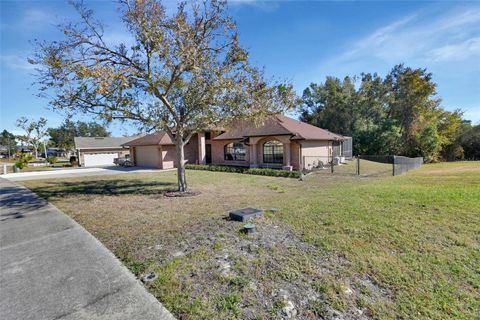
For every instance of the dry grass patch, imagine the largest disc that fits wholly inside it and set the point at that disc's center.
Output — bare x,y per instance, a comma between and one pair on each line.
340,246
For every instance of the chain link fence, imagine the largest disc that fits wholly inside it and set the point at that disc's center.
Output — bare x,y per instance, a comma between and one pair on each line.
403,164
363,165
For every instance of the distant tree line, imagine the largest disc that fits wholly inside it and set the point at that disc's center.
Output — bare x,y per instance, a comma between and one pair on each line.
397,114
62,137
36,134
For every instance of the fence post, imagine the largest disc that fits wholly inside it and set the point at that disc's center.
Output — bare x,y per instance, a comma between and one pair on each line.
358,165
4,169
393,170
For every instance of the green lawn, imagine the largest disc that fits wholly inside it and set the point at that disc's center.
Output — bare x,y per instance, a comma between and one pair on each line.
405,247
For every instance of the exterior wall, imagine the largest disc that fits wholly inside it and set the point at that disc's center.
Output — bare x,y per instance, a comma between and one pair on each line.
148,156
260,141
316,148
295,155
121,152
133,154
314,151
164,157
218,155
191,150
201,148
169,155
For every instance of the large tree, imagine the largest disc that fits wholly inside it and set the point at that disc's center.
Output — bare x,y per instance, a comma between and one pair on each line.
35,132
466,144
185,73
330,104
7,140
398,114
62,137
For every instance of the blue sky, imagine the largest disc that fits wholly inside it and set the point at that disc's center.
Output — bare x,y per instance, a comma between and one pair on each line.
299,41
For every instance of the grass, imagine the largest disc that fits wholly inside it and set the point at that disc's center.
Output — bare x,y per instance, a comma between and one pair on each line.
405,247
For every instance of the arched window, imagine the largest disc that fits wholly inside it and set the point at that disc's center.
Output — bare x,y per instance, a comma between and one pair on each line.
234,151
273,152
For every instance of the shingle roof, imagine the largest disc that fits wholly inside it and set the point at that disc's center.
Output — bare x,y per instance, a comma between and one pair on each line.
156,138
280,125
101,142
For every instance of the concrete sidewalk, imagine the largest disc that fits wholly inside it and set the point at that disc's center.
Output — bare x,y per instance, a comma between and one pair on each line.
52,268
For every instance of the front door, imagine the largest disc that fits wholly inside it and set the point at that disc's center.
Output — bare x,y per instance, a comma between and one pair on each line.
208,153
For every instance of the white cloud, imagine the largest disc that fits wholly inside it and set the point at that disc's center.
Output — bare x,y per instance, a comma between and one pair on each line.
414,38
16,62
35,18
447,44
473,114
458,51
115,38
417,39
265,5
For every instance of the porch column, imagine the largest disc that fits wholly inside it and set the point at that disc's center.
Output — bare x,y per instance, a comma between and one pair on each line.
287,155
201,148
254,156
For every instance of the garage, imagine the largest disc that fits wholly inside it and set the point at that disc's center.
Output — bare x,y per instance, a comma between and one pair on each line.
99,159
148,156
100,151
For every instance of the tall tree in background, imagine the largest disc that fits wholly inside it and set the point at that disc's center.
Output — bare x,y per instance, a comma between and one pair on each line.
62,137
374,132
186,72
330,104
7,140
414,106
398,114
35,132
466,144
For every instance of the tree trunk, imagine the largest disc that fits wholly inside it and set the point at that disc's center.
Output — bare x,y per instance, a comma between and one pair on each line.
182,180
36,152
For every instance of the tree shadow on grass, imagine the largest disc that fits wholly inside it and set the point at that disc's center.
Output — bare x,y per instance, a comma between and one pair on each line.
103,187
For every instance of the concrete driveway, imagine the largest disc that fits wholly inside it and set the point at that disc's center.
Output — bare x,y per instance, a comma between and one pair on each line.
52,268
76,172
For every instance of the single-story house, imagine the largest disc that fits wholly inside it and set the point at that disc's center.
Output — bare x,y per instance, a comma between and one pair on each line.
56,152
280,142
100,151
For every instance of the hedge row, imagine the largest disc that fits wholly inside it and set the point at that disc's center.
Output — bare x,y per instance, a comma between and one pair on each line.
256,171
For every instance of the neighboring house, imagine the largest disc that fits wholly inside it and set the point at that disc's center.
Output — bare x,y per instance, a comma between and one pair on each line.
281,142
100,151
57,152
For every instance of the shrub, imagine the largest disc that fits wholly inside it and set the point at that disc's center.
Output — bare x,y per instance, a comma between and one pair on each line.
255,171
23,159
51,159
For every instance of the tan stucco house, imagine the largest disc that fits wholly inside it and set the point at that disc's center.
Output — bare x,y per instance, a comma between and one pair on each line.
100,151
281,142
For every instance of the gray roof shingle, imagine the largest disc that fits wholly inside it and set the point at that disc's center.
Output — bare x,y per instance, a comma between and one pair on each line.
101,142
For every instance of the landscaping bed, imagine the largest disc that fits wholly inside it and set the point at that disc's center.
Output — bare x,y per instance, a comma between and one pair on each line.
255,171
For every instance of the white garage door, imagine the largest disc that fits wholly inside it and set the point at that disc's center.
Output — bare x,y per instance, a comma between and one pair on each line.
99,159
